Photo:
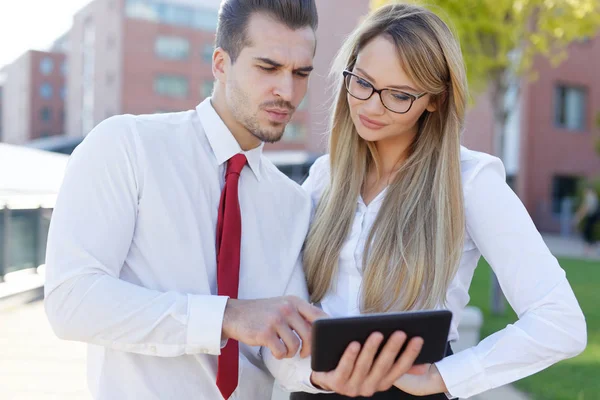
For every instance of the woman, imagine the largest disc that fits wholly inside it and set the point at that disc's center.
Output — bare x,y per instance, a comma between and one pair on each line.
403,214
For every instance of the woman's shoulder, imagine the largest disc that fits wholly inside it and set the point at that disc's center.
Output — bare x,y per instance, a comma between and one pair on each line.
318,177
473,163
320,166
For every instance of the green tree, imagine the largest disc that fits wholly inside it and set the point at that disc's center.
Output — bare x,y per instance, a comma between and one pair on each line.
500,40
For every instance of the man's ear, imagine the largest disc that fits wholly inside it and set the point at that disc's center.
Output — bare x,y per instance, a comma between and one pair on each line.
221,62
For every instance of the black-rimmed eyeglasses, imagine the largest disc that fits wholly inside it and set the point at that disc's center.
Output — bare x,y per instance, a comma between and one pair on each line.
394,100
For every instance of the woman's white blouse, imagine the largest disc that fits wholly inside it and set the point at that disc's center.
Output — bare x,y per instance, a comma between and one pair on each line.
551,326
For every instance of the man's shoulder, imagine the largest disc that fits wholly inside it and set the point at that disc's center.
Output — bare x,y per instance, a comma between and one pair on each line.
129,124
128,133
117,131
164,124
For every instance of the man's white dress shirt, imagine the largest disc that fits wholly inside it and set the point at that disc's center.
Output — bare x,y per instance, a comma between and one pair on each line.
131,264
551,326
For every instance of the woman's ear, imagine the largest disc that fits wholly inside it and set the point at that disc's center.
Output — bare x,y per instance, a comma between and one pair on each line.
436,101
432,106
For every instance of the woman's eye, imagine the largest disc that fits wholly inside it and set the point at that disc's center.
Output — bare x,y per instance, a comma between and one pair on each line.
363,83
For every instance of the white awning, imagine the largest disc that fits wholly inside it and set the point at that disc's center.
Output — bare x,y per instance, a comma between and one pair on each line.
29,178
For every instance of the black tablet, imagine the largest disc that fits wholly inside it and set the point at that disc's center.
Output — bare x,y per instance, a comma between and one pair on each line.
331,336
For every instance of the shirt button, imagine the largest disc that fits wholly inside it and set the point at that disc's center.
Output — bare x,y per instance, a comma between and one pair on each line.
153,349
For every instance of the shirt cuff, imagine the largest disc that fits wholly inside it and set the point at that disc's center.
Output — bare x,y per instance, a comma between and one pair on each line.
303,372
205,323
463,374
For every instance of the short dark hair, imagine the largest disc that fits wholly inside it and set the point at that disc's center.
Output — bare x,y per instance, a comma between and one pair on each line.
235,14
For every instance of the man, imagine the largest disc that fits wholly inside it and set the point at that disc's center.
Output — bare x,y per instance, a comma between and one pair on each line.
174,244
132,250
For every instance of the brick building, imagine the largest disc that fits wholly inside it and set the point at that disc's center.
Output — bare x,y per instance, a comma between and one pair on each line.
33,97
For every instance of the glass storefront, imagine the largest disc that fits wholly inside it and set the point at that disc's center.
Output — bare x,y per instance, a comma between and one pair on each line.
23,236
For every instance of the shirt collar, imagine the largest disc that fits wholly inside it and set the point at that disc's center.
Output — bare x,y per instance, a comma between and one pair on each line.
221,140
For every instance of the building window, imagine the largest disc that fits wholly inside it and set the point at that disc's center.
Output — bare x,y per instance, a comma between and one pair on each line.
207,53
172,14
294,132
64,68
205,20
46,90
172,47
141,9
570,103
63,93
563,187
206,89
171,86
46,114
46,66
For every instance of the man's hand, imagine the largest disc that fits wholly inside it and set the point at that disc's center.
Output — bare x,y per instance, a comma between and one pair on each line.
360,374
272,323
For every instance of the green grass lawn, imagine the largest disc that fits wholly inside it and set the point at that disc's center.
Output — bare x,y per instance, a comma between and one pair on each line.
574,379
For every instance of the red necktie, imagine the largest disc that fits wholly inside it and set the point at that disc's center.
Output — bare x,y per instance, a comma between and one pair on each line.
229,237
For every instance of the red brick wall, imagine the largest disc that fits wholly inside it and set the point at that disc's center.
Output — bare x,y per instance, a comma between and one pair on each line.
56,104
141,65
552,150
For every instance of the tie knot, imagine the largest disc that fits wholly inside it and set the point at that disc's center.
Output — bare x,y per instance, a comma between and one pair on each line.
235,164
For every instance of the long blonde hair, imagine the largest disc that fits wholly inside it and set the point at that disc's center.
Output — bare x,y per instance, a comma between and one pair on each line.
414,248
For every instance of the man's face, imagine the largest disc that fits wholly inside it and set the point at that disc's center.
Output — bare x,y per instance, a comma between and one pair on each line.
270,76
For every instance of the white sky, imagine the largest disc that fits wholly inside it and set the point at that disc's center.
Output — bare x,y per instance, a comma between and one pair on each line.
33,24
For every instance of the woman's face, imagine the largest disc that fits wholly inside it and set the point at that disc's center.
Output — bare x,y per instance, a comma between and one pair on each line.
378,64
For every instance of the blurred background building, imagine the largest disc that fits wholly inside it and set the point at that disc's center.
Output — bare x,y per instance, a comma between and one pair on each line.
550,142
34,97
138,57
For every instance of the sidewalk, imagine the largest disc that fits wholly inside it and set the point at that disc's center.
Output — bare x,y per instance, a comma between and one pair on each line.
570,247
35,364
21,287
